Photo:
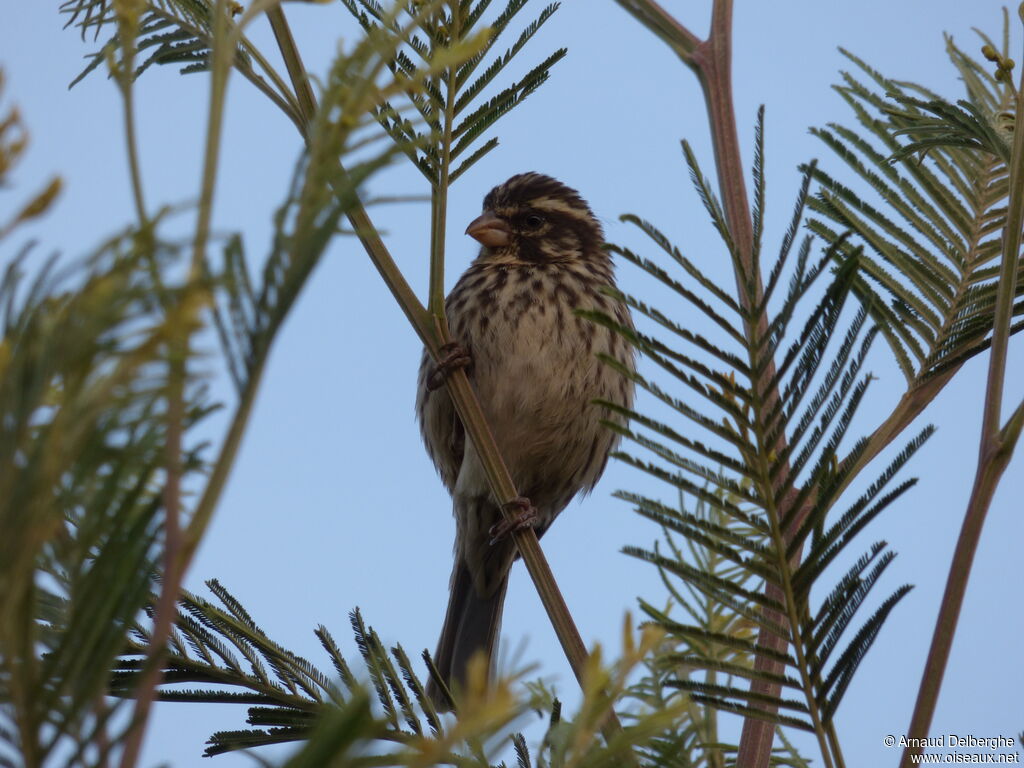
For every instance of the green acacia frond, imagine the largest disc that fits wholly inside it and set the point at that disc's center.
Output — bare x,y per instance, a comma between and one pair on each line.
451,42
205,643
933,213
839,608
941,169
488,113
968,337
82,467
802,280
824,554
837,374
758,204
716,541
293,674
662,276
717,457
722,429
381,676
221,742
666,245
470,92
710,201
707,638
757,713
280,717
835,684
732,399
722,590
332,737
731,669
790,237
851,386
174,33
681,482
91,624
807,352
197,696
902,339
982,87
961,125
468,163
732,361
321,192
474,12
232,321
337,659
781,433
725,693
837,418
930,277
859,514
419,693
290,705
86,15
716,479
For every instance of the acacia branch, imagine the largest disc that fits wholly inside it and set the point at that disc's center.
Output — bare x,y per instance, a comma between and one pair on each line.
994,453
710,60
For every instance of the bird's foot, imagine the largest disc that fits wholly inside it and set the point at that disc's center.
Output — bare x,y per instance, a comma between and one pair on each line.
524,517
453,355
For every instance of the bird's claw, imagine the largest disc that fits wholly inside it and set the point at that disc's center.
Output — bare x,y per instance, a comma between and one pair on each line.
522,519
453,355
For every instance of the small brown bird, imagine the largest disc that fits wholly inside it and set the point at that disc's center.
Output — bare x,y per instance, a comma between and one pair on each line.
533,364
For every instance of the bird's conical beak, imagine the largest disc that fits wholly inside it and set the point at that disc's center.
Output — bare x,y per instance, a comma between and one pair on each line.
489,230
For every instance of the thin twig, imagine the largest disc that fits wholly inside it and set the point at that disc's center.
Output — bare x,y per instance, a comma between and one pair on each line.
132,146
296,72
439,200
124,75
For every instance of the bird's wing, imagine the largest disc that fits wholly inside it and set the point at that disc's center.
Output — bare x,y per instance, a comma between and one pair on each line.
440,425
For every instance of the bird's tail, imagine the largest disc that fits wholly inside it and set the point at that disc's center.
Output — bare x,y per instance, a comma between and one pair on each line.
471,624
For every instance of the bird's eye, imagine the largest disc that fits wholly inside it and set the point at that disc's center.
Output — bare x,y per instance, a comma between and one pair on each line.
533,221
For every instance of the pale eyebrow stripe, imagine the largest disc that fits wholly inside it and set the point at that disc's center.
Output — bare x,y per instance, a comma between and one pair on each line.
555,204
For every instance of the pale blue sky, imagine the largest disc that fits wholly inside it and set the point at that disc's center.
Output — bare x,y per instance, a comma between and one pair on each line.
334,503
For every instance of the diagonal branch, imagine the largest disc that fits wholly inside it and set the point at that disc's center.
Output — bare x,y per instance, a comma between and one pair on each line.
434,336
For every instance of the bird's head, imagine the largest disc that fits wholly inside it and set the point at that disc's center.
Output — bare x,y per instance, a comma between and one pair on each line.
537,219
